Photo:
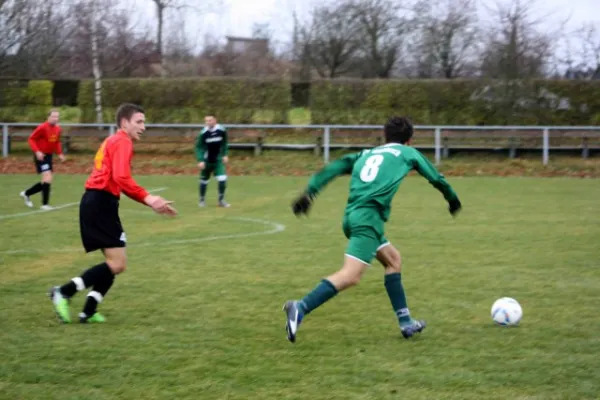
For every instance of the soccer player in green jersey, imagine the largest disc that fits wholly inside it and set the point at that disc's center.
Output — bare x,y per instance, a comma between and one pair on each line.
376,175
212,155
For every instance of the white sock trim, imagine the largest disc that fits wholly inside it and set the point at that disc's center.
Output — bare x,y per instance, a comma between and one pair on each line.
205,182
79,283
221,178
96,295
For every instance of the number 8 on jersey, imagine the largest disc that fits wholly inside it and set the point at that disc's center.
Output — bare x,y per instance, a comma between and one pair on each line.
369,171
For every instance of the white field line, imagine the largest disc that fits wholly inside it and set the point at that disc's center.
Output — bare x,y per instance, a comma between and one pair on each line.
60,207
274,227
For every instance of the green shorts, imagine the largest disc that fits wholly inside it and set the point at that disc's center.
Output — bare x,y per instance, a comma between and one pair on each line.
364,229
218,169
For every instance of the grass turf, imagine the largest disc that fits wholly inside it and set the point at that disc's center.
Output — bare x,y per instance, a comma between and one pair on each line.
197,315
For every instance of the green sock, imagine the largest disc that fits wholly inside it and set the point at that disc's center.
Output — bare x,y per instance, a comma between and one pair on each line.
319,295
395,291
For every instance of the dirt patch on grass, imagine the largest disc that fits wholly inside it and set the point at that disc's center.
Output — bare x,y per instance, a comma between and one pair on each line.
281,163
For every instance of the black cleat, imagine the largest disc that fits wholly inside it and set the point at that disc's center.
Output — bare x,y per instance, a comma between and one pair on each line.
416,327
293,319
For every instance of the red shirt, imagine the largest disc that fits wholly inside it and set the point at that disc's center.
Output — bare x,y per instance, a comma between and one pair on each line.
112,168
46,138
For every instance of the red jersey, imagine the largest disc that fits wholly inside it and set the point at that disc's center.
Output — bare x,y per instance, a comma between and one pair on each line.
112,168
46,138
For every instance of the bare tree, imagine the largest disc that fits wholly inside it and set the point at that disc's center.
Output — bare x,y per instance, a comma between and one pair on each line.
517,47
93,11
330,40
179,53
31,35
123,48
300,52
447,38
382,31
582,57
162,6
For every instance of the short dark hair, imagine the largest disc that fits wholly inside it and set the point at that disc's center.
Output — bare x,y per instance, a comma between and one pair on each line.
398,130
53,111
126,110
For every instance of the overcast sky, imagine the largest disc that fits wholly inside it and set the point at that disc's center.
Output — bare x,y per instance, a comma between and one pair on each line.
237,17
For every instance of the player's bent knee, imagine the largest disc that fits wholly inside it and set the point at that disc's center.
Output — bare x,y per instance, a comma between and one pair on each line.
47,177
116,259
353,280
394,266
390,258
117,267
352,271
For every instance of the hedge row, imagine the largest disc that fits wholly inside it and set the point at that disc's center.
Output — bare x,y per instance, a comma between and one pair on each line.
31,93
188,100
467,102
457,102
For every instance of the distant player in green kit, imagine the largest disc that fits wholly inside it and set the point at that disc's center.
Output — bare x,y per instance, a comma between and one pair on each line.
211,153
376,175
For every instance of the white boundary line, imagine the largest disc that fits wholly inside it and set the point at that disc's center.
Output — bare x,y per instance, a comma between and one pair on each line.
24,214
275,228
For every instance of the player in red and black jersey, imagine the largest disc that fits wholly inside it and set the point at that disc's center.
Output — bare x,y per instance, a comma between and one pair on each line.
99,221
44,142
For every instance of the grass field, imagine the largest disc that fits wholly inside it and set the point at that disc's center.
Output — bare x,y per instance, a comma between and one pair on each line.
198,313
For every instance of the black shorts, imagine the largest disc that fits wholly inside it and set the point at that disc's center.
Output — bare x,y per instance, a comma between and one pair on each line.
99,221
44,165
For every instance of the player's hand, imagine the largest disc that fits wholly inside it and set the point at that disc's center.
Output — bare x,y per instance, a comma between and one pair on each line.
168,210
225,159
302,204
62,157
201,165
39,155
454,207
160,205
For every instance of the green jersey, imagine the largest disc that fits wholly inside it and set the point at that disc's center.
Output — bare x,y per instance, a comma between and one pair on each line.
376,175
211,144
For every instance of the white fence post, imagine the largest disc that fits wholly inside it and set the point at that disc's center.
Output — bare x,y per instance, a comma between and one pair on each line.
111,130
546,146
438,146
4,140
326,145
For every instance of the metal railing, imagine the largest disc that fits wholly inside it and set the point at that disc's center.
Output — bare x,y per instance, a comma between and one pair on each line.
545,132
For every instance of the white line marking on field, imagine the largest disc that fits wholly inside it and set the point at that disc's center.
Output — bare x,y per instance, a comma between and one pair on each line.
60,207
18,215
275,228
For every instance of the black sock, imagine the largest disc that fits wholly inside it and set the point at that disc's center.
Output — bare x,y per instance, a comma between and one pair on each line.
203,190
34,189
45,193
89,278
96,296
222,187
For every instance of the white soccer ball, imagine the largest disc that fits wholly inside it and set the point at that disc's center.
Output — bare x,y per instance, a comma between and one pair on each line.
507,311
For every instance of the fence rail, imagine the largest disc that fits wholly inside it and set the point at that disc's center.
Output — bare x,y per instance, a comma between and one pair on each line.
445,137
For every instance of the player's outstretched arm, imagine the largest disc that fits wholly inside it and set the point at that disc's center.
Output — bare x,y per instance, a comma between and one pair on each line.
341,166
121,165
424,167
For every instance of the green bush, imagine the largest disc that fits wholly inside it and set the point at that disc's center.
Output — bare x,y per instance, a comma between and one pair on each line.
188,100
25,94
456,102
24,114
